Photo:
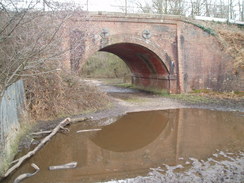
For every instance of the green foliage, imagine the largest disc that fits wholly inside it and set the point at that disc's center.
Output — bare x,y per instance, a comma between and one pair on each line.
201,91
205,29
190,98
104,65
125,85
239,93
162,92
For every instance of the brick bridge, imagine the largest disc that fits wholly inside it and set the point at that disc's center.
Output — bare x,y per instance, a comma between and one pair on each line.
162,52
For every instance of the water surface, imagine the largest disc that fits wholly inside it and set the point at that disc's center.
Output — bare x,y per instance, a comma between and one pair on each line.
135,143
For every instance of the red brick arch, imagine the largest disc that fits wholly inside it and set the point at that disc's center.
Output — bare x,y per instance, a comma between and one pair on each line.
149,64
115,42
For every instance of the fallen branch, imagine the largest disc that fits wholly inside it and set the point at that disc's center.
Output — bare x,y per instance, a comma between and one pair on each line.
41,132
73,120
61,125
26,175
64,166
79,119
89,130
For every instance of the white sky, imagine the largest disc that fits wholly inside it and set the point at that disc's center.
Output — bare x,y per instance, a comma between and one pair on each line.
99,5
104,5
113,5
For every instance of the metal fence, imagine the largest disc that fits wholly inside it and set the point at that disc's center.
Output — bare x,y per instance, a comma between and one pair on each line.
11,107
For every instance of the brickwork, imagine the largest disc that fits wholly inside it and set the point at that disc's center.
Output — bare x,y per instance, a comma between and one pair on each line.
161,52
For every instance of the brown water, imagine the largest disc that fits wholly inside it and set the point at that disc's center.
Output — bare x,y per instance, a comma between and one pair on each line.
135,143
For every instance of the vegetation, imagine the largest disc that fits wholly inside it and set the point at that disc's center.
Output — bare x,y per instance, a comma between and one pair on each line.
204,28
105,65
231,38
155,91
30,49
232,9
7,156
60,94
204,96
190,98
27,41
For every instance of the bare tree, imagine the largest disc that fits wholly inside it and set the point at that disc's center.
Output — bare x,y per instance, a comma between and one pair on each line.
177,7
160,6
241,9
231,9
28,40
145,8
126,6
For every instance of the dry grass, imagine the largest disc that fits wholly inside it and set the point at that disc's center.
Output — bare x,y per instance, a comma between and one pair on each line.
231,38
60,94
219,95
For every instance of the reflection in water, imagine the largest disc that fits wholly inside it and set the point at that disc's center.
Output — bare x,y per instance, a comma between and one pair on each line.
133,131
136,142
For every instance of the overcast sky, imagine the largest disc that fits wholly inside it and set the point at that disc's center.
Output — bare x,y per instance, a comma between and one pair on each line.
105,5
116,5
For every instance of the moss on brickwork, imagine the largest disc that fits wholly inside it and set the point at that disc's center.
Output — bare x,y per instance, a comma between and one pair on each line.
204,28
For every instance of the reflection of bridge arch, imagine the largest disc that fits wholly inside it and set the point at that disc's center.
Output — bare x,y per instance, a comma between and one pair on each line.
133,131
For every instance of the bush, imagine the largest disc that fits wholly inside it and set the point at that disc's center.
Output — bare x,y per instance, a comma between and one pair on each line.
58,94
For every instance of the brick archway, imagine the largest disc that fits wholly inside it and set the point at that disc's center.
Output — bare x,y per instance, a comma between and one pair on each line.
151,67
147,68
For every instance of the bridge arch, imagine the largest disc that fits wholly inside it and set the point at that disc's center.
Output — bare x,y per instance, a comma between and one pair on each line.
118,40
151,67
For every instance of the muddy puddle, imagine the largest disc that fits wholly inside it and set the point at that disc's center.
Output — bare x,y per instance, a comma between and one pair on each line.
135,144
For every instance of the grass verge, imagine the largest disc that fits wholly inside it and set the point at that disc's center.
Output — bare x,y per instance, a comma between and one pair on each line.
203,96
150,90
191,98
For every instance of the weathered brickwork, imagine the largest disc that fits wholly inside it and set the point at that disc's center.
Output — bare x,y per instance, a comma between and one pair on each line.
204,63
161,52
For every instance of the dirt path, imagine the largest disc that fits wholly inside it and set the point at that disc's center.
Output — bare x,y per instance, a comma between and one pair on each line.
130,100
124,100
